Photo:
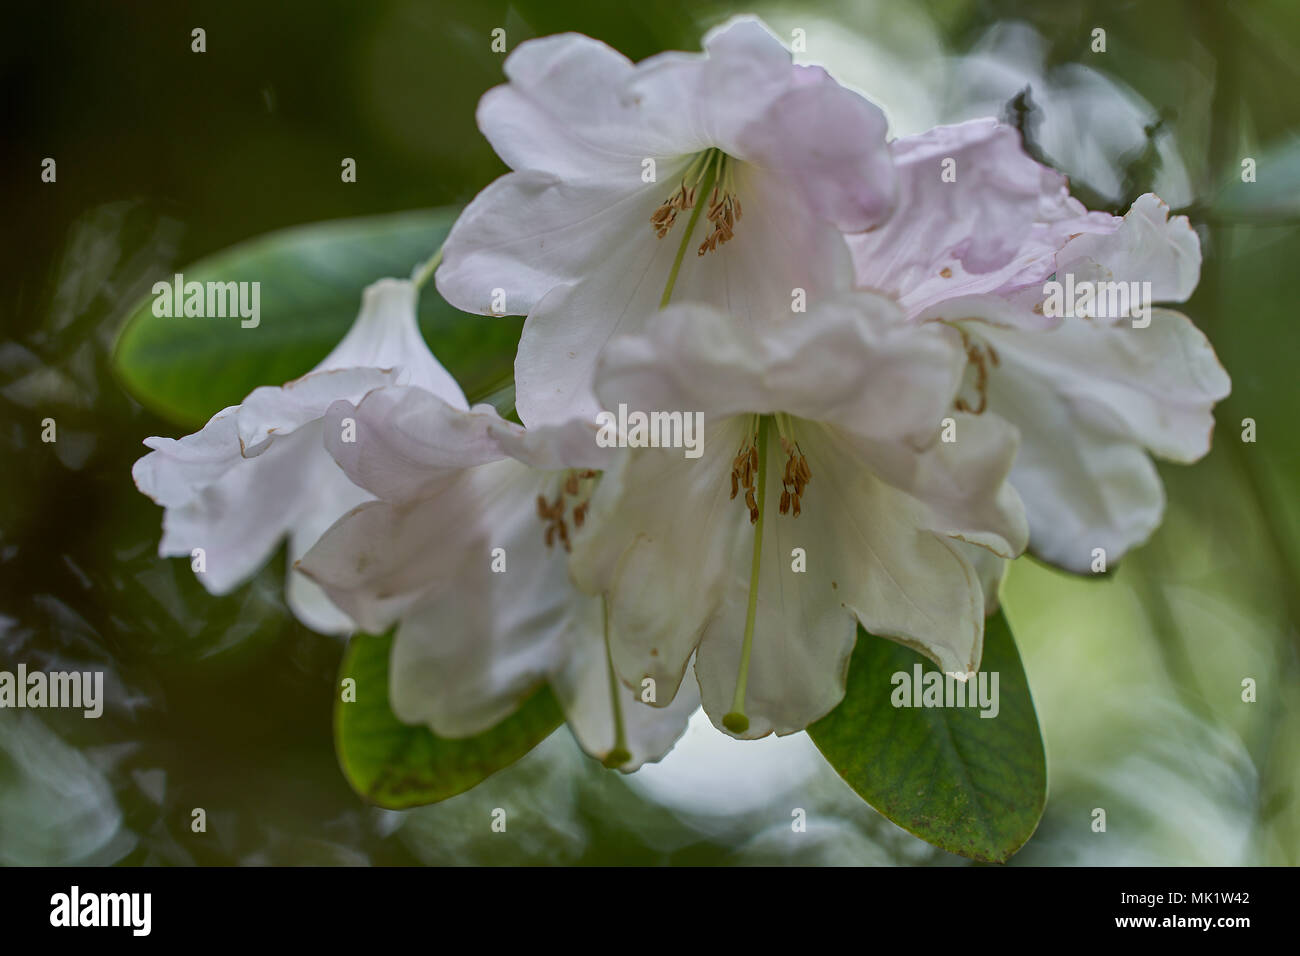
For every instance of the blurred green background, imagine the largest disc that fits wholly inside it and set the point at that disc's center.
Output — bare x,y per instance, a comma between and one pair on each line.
165,155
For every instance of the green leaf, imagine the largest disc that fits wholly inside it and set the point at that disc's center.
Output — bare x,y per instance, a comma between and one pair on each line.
186,369
397,765
968,784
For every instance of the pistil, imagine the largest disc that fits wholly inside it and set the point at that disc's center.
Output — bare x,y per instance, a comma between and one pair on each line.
736,721
619,754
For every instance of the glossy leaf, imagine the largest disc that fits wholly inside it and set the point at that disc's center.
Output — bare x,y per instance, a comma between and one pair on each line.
397,765
972,785
186,368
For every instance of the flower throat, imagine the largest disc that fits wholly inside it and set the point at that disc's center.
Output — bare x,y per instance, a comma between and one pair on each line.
711,172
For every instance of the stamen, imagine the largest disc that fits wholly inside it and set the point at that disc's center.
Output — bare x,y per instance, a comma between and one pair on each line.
744,467
683,197
796,477
710,174
576,483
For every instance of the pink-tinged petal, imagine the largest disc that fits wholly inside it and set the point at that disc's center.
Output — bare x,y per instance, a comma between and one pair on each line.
1014,295
555,447
567,238
382,559
480,641
966,192
564,111
712,97
272,412
828,143
850,360
975,215
401,443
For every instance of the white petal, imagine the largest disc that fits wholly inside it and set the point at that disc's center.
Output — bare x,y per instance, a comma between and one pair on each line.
1160,382
869,556
530,232
173,472
583,688
1084,485
386,335
239,518
912,585
259,471
554,447
779,247
960,487
565,111
333,495
405,442
850,360
270,412
990,568
238,508
382,559
311,605
1148,246
481,640
659,545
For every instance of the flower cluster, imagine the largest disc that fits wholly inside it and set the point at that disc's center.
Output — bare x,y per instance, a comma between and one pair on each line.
889,412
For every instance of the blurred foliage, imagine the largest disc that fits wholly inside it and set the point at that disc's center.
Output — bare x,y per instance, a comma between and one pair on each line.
165,157
311,278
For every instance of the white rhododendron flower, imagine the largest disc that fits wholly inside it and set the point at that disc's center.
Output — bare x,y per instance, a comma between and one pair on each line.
892,367
466,549
824,497
1090,393
258,472
718,177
